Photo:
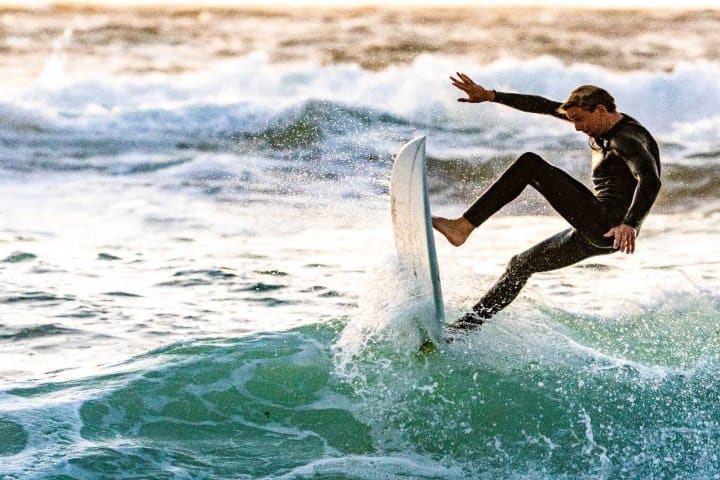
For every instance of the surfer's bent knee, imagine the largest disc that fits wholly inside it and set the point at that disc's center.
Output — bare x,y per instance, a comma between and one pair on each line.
530,159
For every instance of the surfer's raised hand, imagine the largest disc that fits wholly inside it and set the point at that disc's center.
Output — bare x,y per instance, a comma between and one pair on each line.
475,92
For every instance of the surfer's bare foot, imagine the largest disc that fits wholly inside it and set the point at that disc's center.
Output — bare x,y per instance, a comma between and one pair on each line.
455,230
470,321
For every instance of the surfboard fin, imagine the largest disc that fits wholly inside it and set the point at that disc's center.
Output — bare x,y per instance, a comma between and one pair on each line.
428,348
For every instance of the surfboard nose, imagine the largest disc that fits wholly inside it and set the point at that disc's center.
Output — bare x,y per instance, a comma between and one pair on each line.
413,148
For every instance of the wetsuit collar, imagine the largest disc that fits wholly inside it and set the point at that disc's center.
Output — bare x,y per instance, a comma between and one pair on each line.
613,130
603,141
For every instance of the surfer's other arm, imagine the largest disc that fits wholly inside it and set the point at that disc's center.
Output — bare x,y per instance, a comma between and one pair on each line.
645,169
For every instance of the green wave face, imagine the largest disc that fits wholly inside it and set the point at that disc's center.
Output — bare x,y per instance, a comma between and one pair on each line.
297,405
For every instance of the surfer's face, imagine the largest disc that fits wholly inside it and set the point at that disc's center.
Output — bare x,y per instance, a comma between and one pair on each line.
593,123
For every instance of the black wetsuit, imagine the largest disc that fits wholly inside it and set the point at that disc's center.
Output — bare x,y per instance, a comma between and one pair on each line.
626,181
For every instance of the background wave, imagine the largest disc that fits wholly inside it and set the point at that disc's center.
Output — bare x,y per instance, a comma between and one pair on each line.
332,124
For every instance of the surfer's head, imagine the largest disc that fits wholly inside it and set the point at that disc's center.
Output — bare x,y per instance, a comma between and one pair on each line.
592,110
589,97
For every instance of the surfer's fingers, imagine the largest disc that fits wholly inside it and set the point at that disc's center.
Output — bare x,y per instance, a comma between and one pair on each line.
631,245
628,244
466,78
460,83
464,89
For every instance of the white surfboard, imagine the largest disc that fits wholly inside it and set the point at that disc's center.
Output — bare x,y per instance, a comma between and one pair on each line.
414,241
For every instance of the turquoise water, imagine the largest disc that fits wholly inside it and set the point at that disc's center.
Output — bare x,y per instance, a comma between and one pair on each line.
548,402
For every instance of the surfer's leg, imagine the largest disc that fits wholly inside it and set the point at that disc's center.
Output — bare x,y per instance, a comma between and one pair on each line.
568,197
560,250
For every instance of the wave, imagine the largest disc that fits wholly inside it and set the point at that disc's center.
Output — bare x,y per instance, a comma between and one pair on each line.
245,94
341,122
35,332
545,395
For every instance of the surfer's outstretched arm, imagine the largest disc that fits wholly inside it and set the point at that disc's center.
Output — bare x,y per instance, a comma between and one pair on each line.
526,103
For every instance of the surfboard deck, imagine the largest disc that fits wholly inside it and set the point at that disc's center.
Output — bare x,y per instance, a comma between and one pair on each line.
414,240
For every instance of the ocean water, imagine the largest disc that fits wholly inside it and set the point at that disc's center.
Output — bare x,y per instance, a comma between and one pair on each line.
197,277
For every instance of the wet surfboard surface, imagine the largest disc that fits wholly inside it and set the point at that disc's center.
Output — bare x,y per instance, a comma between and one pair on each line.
414,241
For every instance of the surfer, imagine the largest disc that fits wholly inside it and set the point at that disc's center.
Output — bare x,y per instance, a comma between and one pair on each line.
625,180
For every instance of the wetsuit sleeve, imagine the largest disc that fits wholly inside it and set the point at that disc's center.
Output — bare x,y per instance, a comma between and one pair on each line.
530,103
644,167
